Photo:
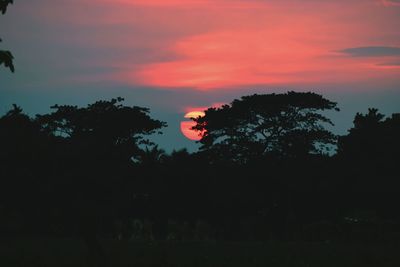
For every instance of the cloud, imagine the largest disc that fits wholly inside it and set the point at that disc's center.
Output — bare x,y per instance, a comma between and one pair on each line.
391,2
372,51
184,4
390,64
200,44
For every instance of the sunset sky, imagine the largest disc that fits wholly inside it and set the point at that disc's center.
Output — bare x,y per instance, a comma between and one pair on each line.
177,56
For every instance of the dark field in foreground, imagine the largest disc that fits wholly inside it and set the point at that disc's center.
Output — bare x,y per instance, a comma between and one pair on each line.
69,252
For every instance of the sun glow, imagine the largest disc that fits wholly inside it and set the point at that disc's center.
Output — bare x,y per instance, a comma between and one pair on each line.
194,114
186,126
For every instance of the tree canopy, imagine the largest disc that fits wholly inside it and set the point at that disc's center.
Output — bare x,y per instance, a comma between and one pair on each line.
70,173
72,165
6,57
289,124
4,4
105,128
373,137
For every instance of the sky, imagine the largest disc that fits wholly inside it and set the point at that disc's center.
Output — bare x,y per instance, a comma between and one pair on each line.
177,56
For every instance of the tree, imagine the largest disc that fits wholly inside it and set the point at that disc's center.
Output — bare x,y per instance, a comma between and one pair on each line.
105,130
4,4
20,139
6,57
287,125
368,157
96,145
70,169
151,157
17,134
372,138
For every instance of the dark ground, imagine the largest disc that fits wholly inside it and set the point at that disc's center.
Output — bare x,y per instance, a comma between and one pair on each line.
72,252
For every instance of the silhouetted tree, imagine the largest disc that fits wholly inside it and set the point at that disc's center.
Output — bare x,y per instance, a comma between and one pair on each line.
23,155
69,170
92,171
4,4
369,157
151,157
373,138
6,57
105,130
103,135
288,125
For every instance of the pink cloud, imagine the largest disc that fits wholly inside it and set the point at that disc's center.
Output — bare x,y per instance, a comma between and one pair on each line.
391,2
274,45
208,44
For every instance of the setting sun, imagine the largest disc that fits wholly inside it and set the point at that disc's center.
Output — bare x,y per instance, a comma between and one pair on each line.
186,126
194,114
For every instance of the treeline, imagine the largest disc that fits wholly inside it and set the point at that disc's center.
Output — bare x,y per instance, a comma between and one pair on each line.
268,168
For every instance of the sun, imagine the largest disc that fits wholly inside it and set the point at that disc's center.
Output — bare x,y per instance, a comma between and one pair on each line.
194,114
186,126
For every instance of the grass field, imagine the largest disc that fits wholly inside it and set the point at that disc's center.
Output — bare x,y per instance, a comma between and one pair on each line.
68,252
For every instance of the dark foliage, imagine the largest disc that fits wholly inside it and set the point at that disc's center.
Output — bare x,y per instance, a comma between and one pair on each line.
286,125
260,175
6,57
4,4
373,138
66,171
